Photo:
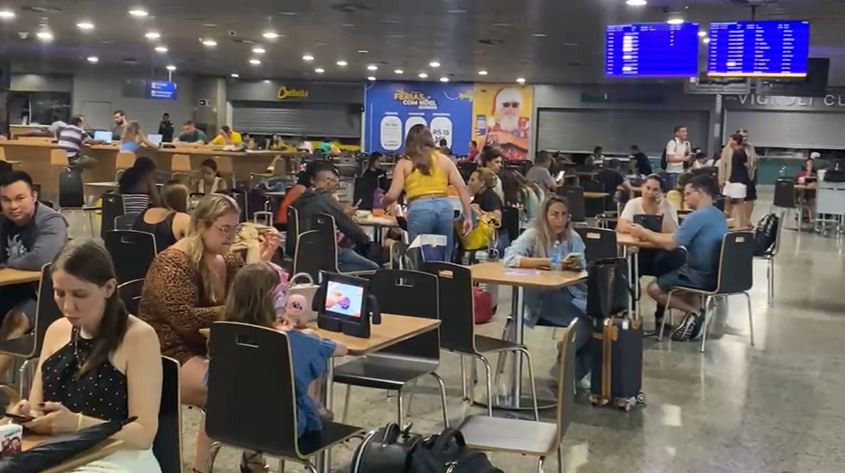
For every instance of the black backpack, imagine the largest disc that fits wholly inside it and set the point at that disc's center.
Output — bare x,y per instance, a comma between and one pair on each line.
766,234
386,450
664,162
447,452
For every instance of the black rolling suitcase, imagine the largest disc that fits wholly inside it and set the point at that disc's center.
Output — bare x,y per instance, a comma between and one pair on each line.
617,376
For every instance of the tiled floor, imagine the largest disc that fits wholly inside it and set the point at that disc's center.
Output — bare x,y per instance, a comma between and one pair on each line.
772,408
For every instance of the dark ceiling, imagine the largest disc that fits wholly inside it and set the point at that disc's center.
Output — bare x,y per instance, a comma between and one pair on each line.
545,41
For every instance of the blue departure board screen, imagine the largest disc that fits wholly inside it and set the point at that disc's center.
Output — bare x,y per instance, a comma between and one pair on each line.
651,50
162,90
759,49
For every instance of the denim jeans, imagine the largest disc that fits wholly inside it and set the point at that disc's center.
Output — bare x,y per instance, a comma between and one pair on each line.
670,180
349,261
433,216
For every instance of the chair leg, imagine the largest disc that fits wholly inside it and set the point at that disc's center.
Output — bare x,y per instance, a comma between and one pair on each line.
540,464
501,358
771,274
346,403
707,317
663,322
309,466
400,404
442,398
750,318
489,380
559,459
212,455
282,465
464,394
530,363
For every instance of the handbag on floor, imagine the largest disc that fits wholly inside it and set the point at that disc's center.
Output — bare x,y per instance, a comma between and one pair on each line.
482,305
386,450
447,452
607,287
617,374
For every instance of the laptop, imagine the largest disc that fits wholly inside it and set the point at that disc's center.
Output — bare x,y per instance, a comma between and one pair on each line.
155,139
104,136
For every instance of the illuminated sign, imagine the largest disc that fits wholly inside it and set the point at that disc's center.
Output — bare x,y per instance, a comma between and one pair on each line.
286,93
415,99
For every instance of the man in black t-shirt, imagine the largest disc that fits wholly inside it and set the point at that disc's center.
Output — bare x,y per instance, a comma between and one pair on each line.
614,182
641,162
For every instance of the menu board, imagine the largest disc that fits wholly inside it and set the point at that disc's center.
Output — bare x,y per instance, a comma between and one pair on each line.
651,50
759,49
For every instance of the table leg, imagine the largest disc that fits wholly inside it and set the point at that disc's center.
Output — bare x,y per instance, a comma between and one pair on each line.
519,337
628,254
324,461
636,281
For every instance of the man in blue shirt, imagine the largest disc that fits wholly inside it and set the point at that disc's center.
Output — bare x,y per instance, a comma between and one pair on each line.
701,235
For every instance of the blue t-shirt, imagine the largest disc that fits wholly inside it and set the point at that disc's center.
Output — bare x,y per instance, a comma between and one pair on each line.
131,146
309,356
701,234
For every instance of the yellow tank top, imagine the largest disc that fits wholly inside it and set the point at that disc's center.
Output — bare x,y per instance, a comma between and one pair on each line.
418,184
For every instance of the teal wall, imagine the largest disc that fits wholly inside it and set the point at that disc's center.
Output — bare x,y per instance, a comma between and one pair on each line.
767,173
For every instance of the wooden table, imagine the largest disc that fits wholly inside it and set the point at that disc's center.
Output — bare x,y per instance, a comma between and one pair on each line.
10,276
518,279
378,223
101,450
595,195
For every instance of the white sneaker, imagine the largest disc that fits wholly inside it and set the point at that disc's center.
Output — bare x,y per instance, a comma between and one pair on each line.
584,383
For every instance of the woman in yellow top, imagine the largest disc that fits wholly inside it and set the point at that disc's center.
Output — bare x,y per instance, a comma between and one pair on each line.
425,174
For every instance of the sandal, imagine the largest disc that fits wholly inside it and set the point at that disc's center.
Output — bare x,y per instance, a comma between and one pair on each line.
253,462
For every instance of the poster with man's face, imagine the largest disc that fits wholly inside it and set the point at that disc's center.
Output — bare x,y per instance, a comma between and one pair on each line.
502,118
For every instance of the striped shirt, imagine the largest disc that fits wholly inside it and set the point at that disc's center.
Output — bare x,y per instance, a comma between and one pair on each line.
71,139
135,203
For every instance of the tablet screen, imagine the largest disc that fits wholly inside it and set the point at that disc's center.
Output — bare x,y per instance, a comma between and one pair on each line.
344,299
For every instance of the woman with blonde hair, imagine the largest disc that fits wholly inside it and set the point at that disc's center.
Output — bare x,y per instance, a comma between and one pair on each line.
132,138
425,175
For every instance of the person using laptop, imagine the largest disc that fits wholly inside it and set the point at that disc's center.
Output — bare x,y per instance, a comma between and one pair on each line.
228,137
133,139
191,134
71,139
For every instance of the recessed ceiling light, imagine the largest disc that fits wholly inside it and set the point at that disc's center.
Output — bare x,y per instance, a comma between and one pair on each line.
636,3
307,57
259,50
342,63
675,20
234,75
93,59
319,70
702,33
456,11
85,25
434,64
171,67
44,35
152,35
520,80
422,75
371,78
288,13
254,62
161,49
482,72
398,71
270,35
209,43
139,12
266,81
7,14
348,25
372,67
363,51
444,79
539,35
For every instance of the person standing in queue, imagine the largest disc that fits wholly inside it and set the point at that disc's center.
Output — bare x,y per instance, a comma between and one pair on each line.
425,175
165,128
739,182
678,153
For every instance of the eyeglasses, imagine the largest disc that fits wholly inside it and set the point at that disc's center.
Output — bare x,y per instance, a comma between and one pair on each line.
510,104
229,229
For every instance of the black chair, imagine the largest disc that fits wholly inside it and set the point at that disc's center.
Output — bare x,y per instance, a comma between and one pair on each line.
167,445
240,196
72,195
785,199
130,294
133,252
596,207
326,228
600,243
736,276
28,347
410,293
112,208
457,329
125,221
769,257
292,233
307,257
510,222
251,366
575,199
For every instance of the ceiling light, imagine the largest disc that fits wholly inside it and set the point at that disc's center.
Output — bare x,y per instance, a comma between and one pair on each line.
152,35
85,25
702,33
44,35
422,75
139,12
259,50
319,70
675,20
539,35
363,51
398,71
636,3
371,78
482,72
434,64
520,80
444,79
456,11
307,57
171,67
235,75
706,40
93,59
288,13
161,49
254,62
266,81
209,43
372,67
270,35
7,14
342,63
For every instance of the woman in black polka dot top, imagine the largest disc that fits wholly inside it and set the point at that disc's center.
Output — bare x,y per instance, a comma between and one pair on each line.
98,363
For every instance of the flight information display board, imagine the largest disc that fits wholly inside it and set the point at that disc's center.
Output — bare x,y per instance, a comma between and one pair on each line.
651,50
772,48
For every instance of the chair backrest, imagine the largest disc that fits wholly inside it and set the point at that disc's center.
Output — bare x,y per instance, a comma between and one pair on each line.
240,197
566,382
224,165
46,311
2,154
124,222
180,163
133,252
124,160
327,228
411,293
577,207
600,242
130,293
785,194
58,157
251,366
112,208
736,263
71,194
457,319
167,445
306,257
292,231
278,166
510,222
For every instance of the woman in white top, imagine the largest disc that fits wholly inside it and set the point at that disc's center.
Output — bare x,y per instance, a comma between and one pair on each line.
210,181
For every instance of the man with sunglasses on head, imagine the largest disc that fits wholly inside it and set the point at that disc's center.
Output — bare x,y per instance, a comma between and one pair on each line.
701,234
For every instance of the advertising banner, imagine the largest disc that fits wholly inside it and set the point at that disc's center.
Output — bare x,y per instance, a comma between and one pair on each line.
502,117
392,108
